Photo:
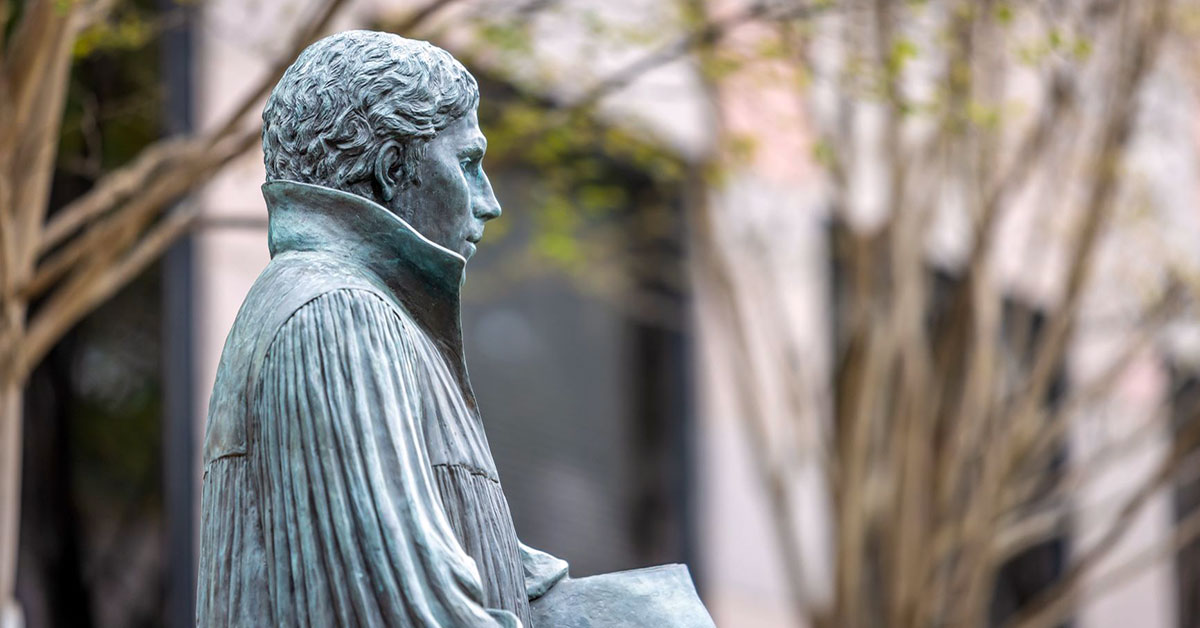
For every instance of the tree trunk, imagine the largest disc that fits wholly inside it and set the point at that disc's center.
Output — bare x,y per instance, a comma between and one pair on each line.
10,501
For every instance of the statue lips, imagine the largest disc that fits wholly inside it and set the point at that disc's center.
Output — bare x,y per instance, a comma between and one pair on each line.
472,240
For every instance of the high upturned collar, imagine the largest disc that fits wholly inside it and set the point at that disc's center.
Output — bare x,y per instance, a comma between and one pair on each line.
306,217
424,276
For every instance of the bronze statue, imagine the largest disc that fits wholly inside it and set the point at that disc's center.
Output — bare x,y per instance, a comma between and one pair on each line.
347,477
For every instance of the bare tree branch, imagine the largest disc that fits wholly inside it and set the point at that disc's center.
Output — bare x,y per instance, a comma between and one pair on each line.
1186,531
1040,610
92,289
1098,206
114,188
37,77
89,286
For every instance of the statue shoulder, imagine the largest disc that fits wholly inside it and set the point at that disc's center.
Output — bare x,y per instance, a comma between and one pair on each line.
290,282
293,279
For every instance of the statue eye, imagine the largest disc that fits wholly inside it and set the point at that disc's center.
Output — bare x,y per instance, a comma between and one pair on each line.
471,158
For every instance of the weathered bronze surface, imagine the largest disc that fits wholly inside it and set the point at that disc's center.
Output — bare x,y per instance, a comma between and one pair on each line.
347,476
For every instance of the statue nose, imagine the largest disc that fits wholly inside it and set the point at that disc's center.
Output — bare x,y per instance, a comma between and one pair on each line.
488,209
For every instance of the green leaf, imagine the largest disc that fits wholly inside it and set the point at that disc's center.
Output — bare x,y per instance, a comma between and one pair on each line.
1082,50
1004,13
823,154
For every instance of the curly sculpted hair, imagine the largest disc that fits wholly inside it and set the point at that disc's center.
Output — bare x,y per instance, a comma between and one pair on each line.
347,94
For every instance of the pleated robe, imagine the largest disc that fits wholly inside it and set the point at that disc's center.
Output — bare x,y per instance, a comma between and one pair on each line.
347,478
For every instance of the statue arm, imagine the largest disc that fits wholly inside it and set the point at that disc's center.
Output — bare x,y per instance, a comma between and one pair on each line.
355,532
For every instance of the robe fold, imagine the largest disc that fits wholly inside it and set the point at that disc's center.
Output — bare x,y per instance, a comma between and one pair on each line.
348,480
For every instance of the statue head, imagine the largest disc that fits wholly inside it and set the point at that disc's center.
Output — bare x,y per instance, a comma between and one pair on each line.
389,119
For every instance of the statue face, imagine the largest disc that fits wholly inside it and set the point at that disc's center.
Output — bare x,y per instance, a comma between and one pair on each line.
454,198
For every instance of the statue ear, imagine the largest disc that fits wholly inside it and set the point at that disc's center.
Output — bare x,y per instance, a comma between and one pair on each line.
387,163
